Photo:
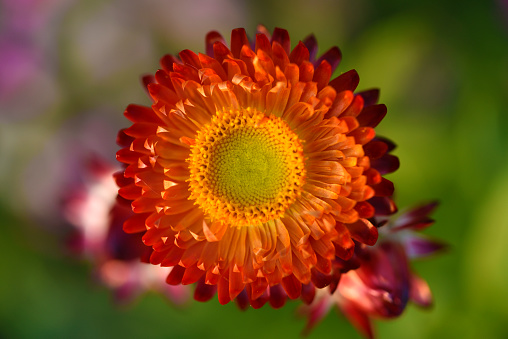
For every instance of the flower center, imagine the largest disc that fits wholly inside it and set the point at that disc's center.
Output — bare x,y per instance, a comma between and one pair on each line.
246,168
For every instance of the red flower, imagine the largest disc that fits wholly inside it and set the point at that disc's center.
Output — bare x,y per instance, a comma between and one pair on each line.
252,171
383,283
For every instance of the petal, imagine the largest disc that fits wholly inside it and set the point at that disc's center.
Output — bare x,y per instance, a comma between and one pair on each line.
211,38
363,231
242,300
419,246
176,275
299,54
346,82
386,164
203,291
308,293
333,56
277,296
370,97
359,319
311,43
238,40
282,37
383,205
420,292
292,286
416,218
372,115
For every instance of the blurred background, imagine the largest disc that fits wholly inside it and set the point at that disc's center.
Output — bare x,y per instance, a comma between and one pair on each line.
68,69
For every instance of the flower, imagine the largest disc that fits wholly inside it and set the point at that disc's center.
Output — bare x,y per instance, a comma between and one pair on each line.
383,283
252,171
98,215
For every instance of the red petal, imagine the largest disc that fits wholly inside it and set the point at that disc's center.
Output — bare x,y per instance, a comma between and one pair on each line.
416,218
221,52
162,77
292,286
363,135
259,302
320,280
322,74
167,62
262,43
190,58
383,205
172,257
138,113
391,145
346,81
235,284
311,43
204,292
418,246
333,56
208,62
282,37
136,223
175,276
123,139
306,71
121,181
308,293
191,275
238,40
363,231
384,189
299,54
344,245
386,164
277,296
279,56
364,209
242,301
370,97
223,291
159,92
147,79
375,149
258,287
211,38
372,115
355,108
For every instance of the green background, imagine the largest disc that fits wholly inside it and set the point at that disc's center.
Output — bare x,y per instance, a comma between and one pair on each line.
442,67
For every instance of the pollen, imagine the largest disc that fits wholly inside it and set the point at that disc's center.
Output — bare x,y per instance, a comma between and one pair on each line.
246,168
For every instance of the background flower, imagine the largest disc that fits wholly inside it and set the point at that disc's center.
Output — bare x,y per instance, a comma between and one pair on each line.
442,68
384,282
118,259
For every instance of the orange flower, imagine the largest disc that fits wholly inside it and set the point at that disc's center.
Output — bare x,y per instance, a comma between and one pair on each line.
252,170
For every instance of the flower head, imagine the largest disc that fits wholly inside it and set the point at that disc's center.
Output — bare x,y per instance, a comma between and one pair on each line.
252,171
383,283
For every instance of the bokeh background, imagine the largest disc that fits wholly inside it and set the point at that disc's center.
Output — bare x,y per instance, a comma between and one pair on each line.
68,68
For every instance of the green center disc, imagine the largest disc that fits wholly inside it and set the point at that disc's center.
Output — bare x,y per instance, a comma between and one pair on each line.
249,167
